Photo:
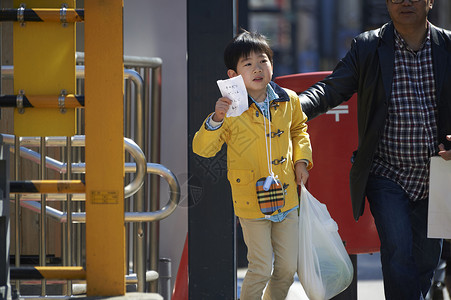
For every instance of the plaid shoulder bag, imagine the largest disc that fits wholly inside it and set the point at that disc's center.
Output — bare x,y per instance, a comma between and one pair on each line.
270,197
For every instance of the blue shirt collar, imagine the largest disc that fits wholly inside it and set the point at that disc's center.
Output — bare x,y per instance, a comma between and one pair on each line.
274,92
270,95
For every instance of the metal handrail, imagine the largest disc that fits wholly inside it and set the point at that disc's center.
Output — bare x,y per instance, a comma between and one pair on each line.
137,154
8,72
80,217
151,150
79,141
137,61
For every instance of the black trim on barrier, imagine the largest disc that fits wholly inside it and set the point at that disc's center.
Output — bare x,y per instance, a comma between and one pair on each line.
51,272
22,187
11,101
23,273
10,14
81,13
80,99
29,15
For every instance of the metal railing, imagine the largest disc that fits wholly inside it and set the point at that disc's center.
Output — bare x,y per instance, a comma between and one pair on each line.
142,107
35,202
79,141
141,167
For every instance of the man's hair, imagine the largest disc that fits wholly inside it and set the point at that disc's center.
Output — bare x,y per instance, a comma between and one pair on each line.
242,45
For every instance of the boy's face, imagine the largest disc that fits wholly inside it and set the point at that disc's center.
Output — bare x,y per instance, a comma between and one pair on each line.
256,70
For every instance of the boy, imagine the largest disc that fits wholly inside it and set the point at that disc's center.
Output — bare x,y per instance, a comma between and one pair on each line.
269,154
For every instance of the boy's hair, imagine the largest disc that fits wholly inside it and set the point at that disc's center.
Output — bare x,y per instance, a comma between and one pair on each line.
242,45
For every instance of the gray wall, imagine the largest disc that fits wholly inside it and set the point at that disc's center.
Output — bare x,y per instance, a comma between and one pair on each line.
157,28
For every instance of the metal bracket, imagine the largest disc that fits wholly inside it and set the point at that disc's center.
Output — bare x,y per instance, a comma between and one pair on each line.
279,161
275,105
19,102
63,15
20,14
275,134
61,101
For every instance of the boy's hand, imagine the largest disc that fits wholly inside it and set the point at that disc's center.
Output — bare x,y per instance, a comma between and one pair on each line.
446,155
300,169
221,108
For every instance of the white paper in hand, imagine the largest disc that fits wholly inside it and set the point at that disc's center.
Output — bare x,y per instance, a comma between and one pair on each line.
235,90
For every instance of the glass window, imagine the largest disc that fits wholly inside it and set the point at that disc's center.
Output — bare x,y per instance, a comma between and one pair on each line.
269,4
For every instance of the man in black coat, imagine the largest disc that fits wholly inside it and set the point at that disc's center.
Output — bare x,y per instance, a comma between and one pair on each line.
401,73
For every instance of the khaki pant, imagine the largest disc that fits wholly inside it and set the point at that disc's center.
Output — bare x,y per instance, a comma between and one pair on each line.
263,238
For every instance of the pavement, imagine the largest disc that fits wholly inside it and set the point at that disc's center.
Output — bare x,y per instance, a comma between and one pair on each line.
369,284
129,296
369,280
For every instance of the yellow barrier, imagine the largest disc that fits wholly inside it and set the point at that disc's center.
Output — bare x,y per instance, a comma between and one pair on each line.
44,64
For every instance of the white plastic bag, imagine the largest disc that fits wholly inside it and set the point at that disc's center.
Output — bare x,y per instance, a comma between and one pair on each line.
324,266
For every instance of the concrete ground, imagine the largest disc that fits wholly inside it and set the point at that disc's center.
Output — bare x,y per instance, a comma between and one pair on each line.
369,284
128,296
369,280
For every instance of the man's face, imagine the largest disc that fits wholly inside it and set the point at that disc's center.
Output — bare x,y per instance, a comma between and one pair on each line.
409,13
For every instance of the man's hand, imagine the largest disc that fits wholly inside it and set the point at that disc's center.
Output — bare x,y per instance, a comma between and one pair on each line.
221,108
300,169
445,154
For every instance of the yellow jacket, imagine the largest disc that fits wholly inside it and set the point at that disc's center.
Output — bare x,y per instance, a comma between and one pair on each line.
247,154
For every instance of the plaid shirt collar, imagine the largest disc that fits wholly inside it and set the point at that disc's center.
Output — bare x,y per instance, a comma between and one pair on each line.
401,43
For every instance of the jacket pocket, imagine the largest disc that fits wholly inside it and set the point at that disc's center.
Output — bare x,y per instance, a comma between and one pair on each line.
242,183
240,177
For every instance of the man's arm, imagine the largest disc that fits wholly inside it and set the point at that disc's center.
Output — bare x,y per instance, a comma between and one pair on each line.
334,89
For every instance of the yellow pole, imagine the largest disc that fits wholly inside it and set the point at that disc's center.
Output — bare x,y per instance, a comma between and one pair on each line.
105,230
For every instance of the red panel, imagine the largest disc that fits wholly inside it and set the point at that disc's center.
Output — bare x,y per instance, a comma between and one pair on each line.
334,138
